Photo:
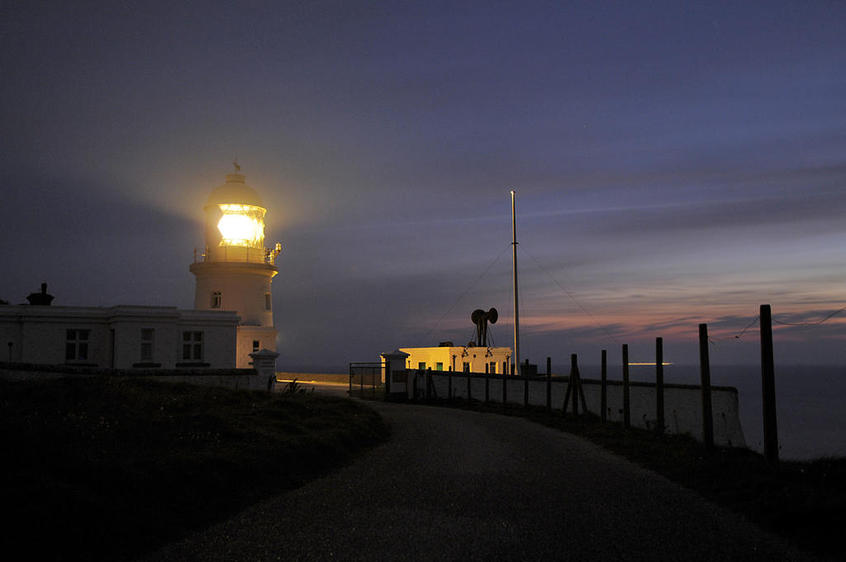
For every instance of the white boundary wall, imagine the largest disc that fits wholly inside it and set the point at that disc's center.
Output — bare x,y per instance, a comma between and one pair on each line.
682,403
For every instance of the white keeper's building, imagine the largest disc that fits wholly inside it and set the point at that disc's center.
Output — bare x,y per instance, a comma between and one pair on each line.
232,315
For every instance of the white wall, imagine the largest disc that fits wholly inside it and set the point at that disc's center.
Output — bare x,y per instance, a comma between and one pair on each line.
246,335
220,334
476,356
39,334
44,340
10,332
127,323
682,404
242,286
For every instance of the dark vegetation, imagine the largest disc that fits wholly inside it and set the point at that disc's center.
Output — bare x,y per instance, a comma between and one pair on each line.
804,502
110,468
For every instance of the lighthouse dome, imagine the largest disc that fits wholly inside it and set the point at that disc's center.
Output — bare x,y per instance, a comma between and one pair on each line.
235,191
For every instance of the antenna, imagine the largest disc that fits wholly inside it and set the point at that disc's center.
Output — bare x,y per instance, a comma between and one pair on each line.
516,370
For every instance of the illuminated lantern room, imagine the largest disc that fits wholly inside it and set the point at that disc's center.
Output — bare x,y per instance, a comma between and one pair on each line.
235,224
234,270
241,225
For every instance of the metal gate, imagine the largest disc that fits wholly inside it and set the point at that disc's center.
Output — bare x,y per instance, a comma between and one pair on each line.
365,379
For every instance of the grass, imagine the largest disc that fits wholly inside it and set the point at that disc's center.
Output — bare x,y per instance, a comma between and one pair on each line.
101,468
804,502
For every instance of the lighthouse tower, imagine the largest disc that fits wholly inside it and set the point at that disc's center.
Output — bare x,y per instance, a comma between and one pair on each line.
235,270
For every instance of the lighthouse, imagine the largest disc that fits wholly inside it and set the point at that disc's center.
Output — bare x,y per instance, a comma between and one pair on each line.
235,271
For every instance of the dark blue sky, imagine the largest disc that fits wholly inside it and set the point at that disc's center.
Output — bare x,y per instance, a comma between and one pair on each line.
674,164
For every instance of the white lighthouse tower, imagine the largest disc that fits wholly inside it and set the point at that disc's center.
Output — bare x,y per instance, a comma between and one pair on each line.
235,270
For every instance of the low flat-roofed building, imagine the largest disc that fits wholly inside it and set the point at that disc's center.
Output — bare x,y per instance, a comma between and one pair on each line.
120,337
473,359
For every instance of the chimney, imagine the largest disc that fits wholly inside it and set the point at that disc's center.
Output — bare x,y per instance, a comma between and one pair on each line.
42,298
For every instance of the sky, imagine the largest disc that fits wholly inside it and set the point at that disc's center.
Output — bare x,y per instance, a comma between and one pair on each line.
675,163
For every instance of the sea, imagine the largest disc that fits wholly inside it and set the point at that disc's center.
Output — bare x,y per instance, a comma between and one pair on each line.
810,403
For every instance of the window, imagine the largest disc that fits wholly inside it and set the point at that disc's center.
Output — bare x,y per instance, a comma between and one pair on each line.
422,365
192,346
466,367
76,345
216,299
256,345
147,344
439,366
492,368
268,301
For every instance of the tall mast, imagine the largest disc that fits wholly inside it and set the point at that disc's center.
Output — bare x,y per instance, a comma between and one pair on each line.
514,271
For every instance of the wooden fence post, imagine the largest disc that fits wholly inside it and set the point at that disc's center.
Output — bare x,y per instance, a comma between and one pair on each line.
574,382
566,403
705,375
487,389
581,389
574,388
603,397
627,413
449,385
469,389
659,384
768,386
549,383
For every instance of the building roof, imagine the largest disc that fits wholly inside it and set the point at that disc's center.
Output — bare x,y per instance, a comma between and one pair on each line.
462,347
235,191
104,314
394,354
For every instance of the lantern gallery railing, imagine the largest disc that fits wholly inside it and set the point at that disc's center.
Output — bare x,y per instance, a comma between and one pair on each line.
238,254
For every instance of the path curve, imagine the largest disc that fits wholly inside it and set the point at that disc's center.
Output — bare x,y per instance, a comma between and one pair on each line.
461,485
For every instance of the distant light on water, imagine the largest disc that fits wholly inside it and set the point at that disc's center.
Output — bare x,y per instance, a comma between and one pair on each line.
653,364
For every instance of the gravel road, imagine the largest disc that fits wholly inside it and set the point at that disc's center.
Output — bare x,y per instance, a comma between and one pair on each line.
452,484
